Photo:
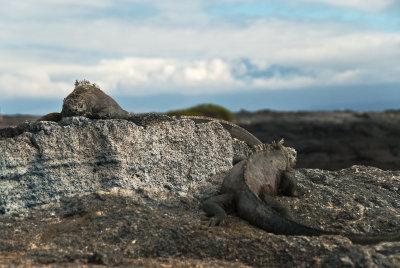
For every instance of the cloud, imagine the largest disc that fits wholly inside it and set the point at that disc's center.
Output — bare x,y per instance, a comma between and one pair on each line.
46,10
150,76
179,48
363,5
128,76
31,83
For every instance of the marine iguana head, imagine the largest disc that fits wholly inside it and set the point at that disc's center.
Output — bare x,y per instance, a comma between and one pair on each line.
289,153
74,107
76,104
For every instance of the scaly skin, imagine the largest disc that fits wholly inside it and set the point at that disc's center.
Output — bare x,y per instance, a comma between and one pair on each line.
249,189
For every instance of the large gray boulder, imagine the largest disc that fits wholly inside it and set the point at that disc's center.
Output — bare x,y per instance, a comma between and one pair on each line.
76,155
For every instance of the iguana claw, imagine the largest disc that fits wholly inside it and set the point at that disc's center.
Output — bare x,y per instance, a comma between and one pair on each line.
216,221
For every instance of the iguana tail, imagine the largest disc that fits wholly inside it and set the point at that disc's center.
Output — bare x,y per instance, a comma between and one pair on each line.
235,130
257,213
365,239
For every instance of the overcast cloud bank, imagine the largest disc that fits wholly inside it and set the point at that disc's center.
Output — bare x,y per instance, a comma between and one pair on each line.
146,48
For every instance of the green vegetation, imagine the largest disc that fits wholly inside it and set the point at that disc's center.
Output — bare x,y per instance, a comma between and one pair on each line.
393,114
209,110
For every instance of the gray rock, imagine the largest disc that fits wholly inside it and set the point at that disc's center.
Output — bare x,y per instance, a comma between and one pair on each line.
109,192
51,160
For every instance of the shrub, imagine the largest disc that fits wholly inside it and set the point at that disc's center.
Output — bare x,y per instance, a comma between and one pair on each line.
209,110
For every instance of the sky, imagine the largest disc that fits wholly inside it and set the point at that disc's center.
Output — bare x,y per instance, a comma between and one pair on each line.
154,56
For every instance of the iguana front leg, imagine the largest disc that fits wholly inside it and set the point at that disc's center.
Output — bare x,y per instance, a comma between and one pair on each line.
288,185
216,208
275,205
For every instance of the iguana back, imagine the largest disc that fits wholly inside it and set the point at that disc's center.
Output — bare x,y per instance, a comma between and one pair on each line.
262,172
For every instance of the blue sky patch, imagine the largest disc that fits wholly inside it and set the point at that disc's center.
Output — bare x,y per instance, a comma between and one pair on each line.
387,20
244,69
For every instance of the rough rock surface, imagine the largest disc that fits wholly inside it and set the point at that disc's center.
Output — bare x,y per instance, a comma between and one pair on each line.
128,195
326,140
50,160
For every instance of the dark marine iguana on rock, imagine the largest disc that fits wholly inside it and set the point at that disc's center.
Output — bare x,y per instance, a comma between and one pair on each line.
249,190
90,101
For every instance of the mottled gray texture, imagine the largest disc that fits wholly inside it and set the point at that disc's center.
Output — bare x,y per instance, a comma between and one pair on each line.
76,155
147,228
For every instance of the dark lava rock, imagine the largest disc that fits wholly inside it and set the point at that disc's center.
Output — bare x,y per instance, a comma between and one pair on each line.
148,228
331,140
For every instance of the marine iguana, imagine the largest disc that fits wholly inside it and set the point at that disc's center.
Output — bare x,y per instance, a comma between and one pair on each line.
90,101
251,185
